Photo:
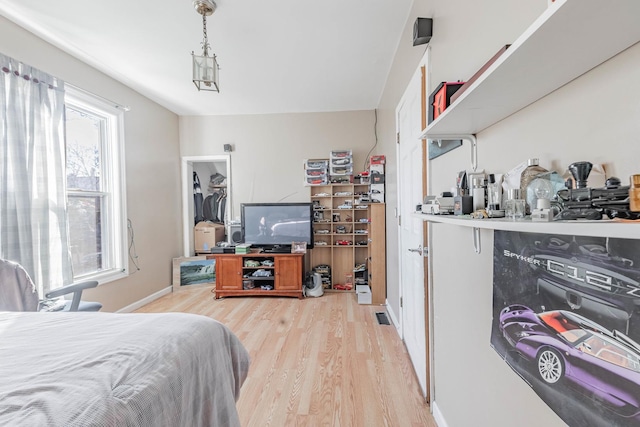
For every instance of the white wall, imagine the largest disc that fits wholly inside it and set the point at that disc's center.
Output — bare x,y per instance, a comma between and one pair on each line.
465,35
269,149
152,166
593,118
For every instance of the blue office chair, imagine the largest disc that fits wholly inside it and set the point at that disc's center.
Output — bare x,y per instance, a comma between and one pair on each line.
18,292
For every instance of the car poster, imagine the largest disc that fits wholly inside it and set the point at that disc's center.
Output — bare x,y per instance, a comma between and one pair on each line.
567,320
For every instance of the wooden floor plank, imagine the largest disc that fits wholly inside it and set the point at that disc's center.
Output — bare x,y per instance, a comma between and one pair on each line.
314,362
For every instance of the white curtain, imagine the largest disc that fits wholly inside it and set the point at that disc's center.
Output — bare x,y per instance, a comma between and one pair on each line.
33,217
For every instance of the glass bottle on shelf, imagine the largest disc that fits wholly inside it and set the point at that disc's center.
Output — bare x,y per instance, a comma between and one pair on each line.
515,205
532,170
478,195
494,198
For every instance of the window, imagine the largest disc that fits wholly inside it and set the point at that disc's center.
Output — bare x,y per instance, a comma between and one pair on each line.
95,187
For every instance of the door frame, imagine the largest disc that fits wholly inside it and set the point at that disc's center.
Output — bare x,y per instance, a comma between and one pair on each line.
424,68
187,194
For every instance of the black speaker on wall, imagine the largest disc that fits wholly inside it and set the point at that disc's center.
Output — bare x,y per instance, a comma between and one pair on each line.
234,233
422,31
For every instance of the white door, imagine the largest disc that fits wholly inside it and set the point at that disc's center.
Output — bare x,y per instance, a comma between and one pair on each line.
410,230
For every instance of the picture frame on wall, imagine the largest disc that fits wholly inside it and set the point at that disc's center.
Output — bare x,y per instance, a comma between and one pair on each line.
193,271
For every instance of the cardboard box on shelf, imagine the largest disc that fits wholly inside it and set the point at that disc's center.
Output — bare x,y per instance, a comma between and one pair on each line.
376,168
377,178
376,188
377,198
206,234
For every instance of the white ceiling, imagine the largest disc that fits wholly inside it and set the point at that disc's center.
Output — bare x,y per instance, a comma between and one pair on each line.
275,56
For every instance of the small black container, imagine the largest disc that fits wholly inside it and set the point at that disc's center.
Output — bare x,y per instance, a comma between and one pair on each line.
462,205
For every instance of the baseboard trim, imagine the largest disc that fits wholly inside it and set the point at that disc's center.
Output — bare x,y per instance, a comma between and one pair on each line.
437,415
144,301
393,318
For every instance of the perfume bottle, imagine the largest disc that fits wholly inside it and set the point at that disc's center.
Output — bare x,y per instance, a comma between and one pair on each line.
494,198
515,206
478,194
494,195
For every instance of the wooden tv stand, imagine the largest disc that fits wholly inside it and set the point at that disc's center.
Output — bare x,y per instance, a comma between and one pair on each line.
235,278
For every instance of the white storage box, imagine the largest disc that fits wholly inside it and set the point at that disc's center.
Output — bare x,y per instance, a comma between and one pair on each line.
343,161
341,170
341,154
316,180
316,173
364,294
316,164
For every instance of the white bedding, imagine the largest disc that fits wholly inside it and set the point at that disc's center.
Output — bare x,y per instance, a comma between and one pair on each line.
106,369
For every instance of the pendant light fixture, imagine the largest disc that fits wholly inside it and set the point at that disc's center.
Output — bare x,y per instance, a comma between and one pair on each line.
205,67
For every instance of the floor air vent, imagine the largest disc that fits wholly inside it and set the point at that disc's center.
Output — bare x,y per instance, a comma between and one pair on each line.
382,319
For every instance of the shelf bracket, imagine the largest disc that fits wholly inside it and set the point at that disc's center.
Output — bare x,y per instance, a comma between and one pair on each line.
476,240
437,139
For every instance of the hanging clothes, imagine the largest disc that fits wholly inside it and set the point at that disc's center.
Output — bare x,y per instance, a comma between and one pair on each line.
197,199
210,208
214,206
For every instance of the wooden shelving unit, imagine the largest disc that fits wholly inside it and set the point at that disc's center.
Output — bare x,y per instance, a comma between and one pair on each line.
347,234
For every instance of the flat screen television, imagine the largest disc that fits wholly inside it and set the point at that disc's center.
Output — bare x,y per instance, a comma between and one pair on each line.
277,225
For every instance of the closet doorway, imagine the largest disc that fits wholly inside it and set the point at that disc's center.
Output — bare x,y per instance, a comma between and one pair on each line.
214,175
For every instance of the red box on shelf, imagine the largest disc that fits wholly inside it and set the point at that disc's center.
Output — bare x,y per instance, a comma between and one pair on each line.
440,98
377,160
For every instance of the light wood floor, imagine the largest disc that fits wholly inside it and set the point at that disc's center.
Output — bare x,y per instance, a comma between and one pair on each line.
314,362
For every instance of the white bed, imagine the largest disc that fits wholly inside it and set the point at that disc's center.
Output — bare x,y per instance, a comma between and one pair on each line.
106,369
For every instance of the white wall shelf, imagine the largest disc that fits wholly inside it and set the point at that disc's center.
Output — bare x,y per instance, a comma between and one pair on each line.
570,38
602,228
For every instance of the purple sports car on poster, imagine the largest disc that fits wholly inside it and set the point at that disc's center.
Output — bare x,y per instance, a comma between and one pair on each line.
566,347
